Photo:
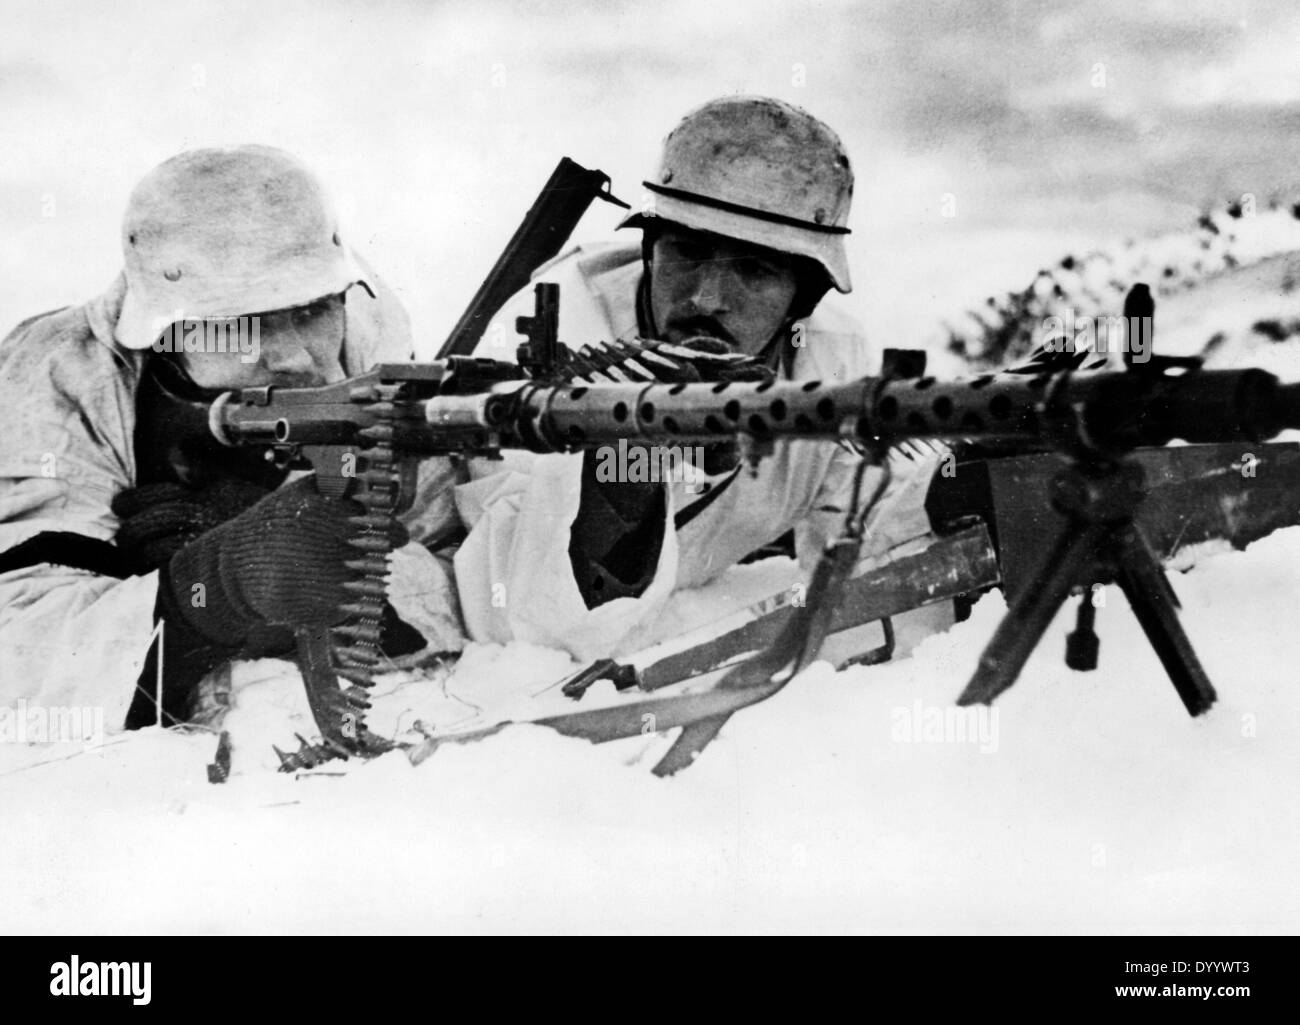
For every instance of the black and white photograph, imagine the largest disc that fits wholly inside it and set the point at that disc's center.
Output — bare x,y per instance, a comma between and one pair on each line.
559,467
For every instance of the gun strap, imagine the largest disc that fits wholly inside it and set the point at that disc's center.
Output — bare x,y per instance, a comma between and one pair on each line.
695,508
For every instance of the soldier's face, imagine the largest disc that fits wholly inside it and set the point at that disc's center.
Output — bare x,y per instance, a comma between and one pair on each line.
298,347
703,284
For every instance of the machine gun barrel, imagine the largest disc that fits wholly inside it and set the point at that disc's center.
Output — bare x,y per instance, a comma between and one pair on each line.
1099,411
480,407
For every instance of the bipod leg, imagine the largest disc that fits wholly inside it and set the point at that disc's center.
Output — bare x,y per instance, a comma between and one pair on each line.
1155,605
1029,617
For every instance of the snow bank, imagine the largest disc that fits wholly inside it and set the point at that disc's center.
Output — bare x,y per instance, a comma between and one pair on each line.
850,801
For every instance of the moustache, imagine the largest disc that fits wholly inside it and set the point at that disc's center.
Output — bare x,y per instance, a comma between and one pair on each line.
700,325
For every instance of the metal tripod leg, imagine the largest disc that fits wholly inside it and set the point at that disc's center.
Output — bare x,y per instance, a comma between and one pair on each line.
1028,619
1155,605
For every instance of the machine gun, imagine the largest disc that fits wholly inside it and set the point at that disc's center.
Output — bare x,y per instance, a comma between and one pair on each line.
365,437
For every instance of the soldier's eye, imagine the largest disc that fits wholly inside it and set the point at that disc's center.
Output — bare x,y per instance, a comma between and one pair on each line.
686,251
759,270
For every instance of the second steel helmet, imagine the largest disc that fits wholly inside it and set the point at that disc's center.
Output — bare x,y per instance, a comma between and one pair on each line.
759,170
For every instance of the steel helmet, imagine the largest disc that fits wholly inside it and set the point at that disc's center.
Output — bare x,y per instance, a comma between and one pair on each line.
217,233
759,170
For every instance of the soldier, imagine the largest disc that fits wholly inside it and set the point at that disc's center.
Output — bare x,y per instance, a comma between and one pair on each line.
242,240
742,239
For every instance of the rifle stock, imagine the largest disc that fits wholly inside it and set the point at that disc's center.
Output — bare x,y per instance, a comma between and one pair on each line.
549,222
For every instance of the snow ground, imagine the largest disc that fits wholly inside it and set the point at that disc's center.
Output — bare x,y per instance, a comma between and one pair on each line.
1089,803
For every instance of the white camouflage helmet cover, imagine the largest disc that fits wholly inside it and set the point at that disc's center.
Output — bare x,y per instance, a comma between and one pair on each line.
215,233
760,170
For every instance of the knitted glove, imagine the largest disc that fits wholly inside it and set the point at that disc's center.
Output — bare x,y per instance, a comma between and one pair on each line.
280,562
158,520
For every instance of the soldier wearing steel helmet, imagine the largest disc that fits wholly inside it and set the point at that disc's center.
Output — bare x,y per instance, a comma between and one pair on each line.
108,524
748,218
743,235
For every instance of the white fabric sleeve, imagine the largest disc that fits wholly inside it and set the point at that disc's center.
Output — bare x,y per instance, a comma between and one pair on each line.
513,571
898,517
68,638
72,639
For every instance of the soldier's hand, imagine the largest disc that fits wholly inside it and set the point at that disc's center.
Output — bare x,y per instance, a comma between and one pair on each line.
158,520
697,359
713,360
280,562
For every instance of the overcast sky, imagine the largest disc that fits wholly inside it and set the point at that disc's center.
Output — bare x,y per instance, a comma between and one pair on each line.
1053,126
